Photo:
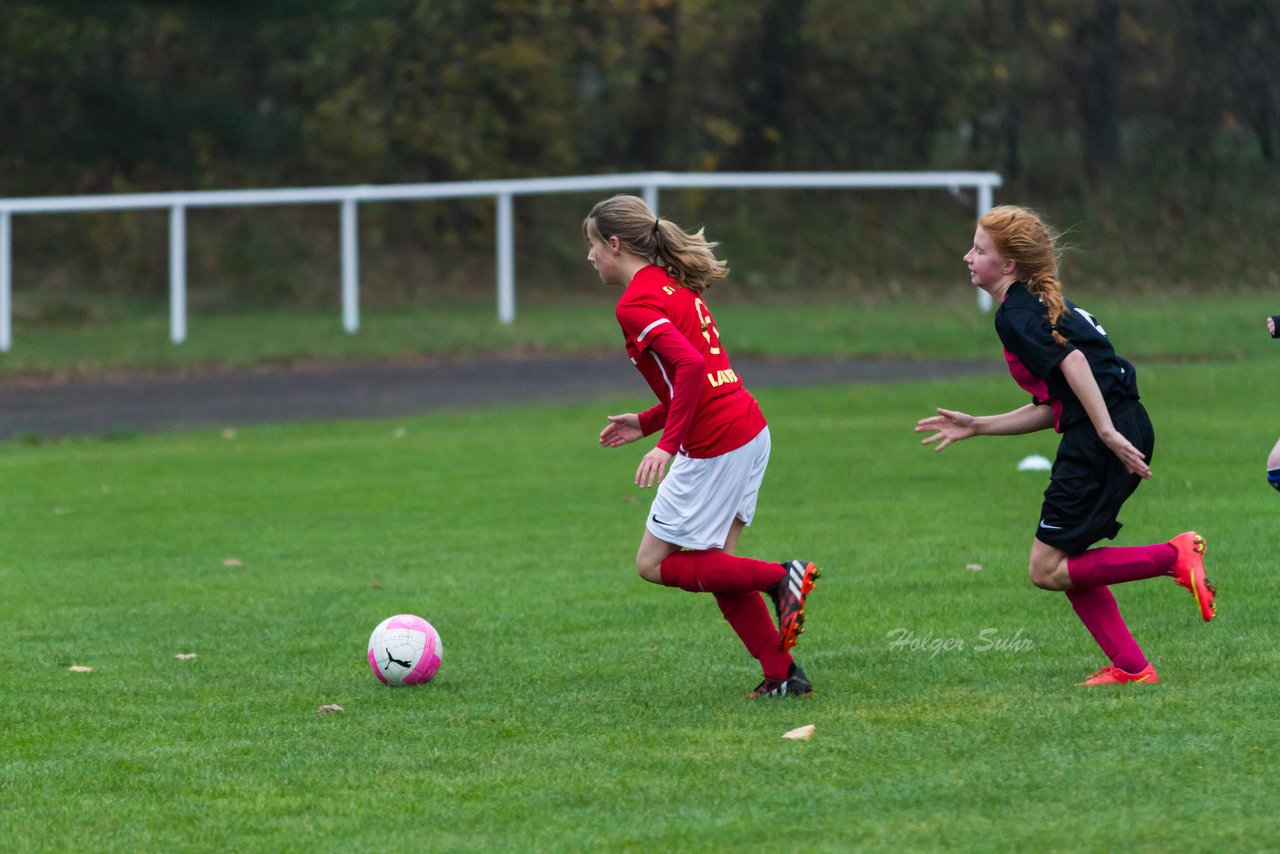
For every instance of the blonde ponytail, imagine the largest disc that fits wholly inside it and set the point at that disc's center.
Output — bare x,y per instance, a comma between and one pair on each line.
687,257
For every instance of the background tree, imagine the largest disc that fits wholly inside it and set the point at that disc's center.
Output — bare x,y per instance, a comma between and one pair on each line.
1116,105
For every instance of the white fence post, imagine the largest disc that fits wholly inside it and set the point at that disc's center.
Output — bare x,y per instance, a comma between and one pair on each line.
177,274
651,197
506,260
6,283
984,205
350,267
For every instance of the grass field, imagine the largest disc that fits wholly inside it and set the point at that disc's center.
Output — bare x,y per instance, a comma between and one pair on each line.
924,325
579,708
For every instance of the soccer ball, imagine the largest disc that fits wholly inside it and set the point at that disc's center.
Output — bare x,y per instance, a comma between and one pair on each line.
405,650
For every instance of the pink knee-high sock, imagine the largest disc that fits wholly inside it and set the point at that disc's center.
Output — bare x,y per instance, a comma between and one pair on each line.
753,622
716,571
1097,609
1117,564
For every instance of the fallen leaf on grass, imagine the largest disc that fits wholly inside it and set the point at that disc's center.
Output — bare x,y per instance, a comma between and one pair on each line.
185,656
324,710
80,668
803,733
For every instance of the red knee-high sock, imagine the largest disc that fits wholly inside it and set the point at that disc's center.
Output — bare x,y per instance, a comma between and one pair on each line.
1097,609
753,622
1117,564
715,571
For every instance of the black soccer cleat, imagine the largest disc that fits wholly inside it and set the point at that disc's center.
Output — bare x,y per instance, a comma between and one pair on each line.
795,685
789,597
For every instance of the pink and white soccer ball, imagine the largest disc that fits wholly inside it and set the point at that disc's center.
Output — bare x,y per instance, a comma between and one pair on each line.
405,650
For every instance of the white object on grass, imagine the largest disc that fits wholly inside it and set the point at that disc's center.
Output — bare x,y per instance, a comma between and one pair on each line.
1035,462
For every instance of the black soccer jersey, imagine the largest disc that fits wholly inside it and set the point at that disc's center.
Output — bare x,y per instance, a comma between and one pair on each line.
1034,357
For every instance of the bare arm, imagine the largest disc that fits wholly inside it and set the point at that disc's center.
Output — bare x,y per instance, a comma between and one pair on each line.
1075,368
1025,419
951,426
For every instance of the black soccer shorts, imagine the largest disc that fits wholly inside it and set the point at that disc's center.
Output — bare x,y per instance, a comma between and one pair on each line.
1089,484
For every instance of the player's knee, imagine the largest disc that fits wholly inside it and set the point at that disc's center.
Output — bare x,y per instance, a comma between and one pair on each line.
1039,579
1273,478
649,571
1045,576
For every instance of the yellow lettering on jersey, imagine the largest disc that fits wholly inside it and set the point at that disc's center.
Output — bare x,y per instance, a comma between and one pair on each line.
719,378
670,290
704,317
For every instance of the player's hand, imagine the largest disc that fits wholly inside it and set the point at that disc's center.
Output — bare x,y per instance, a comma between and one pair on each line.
622,430
1271,326
653,467
949,426
1134,461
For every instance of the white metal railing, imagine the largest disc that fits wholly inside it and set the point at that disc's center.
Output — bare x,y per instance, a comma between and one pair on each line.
504,192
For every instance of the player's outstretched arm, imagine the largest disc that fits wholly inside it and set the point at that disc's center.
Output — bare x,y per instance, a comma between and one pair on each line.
621,430
948,426
951,426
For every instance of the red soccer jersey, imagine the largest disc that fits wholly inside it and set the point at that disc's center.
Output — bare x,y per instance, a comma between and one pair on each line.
703,408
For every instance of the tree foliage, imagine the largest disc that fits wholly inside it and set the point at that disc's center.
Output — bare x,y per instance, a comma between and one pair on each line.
165,95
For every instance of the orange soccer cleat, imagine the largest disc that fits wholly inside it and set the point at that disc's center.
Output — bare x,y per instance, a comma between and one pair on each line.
1112,675
1188,572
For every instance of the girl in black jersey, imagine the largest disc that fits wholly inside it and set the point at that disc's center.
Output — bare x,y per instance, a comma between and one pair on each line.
1058,353
1273,461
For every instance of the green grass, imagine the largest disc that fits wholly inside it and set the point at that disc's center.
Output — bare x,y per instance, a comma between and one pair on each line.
924,324
579,708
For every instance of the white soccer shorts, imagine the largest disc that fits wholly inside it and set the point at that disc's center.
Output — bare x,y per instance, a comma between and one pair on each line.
698,499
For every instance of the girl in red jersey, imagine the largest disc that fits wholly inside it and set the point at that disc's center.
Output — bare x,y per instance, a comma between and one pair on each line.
1059,354
714,437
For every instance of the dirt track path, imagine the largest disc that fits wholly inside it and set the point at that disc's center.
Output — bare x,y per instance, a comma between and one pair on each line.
228,399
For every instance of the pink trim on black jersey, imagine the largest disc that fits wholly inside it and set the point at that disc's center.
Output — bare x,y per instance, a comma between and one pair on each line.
1034,386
